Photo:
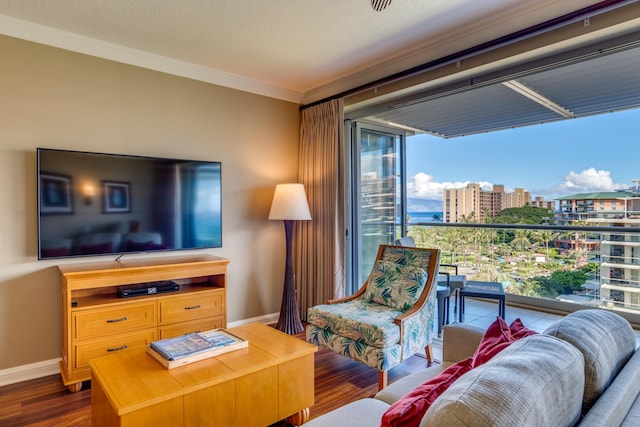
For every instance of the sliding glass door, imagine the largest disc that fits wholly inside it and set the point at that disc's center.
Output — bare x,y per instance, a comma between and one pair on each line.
377,194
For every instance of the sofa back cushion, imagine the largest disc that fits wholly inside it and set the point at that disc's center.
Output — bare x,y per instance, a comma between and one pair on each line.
536,381
410,408
395,285
606,341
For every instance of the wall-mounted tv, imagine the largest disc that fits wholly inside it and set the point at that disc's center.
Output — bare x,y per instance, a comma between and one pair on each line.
100,204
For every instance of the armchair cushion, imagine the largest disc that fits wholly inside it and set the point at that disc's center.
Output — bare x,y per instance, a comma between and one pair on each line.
382,335
358,320
395,285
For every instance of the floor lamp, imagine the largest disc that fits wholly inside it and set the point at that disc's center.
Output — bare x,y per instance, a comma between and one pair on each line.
289,204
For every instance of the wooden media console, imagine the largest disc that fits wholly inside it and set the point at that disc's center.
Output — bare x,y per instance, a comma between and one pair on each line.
97,322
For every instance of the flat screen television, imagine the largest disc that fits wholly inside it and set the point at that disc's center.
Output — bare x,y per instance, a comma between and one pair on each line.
107,204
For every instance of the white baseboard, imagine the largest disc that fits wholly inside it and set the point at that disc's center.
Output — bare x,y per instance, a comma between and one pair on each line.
50,367
266,319
29,372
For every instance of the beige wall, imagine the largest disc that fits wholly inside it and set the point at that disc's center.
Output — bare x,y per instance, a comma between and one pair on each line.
57,99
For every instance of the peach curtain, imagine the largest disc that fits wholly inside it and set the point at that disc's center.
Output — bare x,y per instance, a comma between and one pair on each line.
319,263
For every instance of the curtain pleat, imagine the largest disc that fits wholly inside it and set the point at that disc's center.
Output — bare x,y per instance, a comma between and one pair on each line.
319,256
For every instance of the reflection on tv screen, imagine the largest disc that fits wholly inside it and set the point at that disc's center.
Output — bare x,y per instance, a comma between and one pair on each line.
94,203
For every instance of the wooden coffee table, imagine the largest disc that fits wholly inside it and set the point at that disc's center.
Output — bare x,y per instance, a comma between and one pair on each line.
270,380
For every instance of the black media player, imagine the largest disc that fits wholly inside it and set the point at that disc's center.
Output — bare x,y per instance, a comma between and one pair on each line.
148,288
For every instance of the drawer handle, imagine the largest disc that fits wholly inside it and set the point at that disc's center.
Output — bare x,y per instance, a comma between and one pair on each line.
124,347
193,307
122,319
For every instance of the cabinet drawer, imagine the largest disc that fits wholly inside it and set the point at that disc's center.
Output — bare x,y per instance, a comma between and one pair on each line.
87,351
189,327
191,307
113,320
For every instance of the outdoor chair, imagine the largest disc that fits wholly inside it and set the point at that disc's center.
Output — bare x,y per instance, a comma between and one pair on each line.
389,319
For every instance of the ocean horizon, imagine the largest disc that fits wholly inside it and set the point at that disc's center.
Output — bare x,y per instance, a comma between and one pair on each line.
424,216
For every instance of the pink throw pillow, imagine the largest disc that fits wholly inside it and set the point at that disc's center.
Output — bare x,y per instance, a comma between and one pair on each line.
410,408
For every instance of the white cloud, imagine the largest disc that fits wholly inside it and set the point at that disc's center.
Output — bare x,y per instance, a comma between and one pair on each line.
423,186
587,181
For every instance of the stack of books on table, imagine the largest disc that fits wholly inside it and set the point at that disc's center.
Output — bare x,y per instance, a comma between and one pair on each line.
185,349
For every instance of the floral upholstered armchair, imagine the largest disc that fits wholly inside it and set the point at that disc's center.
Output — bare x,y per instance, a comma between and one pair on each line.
389,319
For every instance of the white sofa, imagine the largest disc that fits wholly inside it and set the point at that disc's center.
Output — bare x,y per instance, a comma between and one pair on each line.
583,370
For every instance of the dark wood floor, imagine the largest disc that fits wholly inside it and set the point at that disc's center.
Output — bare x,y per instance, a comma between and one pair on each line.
47,402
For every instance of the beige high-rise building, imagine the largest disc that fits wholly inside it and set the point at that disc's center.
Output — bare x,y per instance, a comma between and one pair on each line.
519,198
482,204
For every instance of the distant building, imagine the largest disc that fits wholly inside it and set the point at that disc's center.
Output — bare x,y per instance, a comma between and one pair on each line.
462,202
619,251
539,202
519,198
599,205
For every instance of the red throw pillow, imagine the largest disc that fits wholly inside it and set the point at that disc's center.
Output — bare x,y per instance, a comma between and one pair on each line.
518,330
498,337
410,408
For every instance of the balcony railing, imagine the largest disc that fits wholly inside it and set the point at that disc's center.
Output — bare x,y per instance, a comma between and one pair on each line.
617,283
620,238
528,261
620,259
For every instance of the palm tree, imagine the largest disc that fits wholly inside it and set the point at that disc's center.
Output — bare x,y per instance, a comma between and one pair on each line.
521,240
451,239
544,237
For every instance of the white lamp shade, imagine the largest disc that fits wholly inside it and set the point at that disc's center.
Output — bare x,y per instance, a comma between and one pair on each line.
289,203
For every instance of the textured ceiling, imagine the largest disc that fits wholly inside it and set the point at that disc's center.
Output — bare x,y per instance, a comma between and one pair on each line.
297,45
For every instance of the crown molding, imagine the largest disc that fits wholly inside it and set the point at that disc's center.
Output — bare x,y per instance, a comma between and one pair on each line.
49,36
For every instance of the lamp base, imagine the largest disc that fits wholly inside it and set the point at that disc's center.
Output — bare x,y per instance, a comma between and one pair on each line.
289,320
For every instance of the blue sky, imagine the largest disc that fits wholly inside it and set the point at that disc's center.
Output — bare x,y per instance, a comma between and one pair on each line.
597,153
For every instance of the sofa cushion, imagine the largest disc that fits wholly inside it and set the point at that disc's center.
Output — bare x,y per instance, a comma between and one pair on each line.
395,285
497,337
606,341
358,320
409,410
397,389
361,413
536,381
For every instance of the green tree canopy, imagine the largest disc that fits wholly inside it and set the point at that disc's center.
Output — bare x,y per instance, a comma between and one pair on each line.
524,215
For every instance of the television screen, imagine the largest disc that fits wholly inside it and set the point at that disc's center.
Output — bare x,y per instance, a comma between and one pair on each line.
98,204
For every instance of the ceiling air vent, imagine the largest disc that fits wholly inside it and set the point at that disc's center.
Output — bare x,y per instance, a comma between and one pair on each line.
379,5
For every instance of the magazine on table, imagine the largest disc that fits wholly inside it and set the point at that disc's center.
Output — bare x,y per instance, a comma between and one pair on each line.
192,347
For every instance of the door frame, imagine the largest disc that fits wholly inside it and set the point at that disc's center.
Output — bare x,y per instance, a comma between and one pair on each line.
353,183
